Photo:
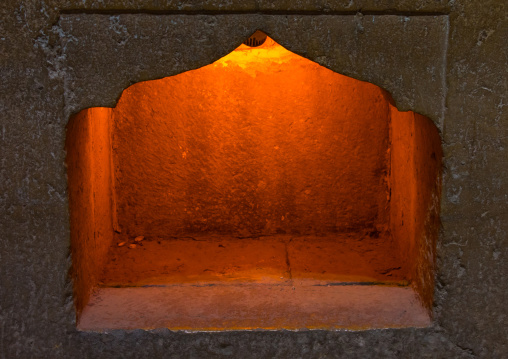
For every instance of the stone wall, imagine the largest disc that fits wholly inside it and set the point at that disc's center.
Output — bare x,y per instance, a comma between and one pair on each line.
444,59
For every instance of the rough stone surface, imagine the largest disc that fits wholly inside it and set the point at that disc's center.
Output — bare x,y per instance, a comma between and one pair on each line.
356,46
41,68
290,148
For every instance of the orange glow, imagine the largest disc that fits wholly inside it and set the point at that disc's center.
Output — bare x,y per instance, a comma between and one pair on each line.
257,59
260,169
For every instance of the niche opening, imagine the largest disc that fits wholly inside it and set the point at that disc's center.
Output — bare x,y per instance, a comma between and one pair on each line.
262,191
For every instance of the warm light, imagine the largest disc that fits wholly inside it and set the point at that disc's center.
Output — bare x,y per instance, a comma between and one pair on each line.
262,176
257,59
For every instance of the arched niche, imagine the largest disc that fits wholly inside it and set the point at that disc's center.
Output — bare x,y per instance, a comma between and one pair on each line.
269,192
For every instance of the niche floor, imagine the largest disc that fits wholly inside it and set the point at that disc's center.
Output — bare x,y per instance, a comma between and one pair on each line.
217,282
269,259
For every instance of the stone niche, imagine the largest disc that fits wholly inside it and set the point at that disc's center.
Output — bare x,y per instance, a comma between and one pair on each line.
262,191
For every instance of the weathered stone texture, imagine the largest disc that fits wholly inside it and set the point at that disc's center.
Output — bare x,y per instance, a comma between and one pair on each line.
357,46
44,80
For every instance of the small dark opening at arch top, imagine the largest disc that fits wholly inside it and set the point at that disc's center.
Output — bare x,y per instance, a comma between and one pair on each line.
256,39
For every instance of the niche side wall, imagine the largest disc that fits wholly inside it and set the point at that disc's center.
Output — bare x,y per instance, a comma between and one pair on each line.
88,146
415,181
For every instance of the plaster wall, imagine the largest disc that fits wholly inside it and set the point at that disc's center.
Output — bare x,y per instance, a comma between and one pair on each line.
444,59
